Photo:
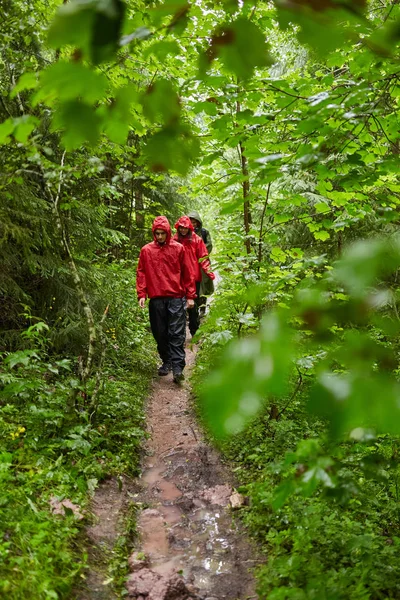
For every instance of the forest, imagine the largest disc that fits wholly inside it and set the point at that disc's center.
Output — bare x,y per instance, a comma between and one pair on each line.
278,122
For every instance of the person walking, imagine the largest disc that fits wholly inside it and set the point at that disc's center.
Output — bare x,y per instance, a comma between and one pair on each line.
206,285
164,275
199,262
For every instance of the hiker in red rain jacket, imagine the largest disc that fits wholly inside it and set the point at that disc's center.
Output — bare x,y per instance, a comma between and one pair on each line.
197,253
164,275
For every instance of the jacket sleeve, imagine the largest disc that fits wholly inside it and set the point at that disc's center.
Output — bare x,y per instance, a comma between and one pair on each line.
141,286
188,280
202,257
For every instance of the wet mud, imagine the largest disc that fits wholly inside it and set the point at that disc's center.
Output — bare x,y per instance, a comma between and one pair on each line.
188,529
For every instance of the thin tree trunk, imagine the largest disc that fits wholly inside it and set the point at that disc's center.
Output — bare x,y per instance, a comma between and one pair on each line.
130,211
340,244
246,200
139,215
262,225
246,191
92,342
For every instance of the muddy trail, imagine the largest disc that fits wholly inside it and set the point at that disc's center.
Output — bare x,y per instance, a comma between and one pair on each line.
189,544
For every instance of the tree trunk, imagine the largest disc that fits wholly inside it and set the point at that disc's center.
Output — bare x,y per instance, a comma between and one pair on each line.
246,191
262,225
87,310
139,216
246,199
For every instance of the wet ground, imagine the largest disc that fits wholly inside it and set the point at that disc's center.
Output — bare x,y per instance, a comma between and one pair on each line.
189,527
190,545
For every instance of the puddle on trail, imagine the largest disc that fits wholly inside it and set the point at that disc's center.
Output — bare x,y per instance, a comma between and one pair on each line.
195,543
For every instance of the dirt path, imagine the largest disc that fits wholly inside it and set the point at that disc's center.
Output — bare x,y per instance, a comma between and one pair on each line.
189,546
187,528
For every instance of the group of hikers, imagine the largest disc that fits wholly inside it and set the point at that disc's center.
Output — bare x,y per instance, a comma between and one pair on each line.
175,274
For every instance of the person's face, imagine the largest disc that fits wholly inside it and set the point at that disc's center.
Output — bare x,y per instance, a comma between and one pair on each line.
160,235
183,230
195,223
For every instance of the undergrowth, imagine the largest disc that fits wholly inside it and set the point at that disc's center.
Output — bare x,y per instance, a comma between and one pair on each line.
321,543
54,451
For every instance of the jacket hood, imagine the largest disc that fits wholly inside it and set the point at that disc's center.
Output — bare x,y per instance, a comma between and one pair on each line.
162,223
193,214
184,222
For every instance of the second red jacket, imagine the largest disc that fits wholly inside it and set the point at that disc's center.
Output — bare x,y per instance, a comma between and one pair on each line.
195,249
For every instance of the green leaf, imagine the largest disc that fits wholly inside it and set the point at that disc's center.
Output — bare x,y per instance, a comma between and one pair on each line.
69,81
162,49
241,47
161,102
6,129
230,207
176,11
324,31
221,337
118,117
107,27
364,260
278,255
263,361
27,81
93,26
79,123
321,207
73,25
24,127
352,401
322,235
141,33
282,493
21,357
172,148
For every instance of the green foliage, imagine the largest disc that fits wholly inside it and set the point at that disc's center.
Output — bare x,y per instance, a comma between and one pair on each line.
50,448
296,107
263,363
240,45
355,385
94,27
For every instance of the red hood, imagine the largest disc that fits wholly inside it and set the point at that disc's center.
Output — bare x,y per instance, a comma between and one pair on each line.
184,222
162,223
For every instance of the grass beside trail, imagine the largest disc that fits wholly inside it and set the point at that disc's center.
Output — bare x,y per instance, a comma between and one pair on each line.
53,449
319,544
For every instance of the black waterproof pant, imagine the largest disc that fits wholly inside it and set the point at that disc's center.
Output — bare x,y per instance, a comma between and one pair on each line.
168,326
193,313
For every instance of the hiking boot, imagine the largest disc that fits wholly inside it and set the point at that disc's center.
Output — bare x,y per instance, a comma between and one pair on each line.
178,377
164,369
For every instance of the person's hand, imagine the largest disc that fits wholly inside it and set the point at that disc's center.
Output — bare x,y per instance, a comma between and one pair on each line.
142,302
190,303
211,275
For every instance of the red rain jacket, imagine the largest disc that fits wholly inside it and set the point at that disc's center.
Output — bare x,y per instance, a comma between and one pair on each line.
195,249
163,269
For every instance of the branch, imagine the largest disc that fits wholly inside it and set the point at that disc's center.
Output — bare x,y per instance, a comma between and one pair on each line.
325,212
293,396
215,181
